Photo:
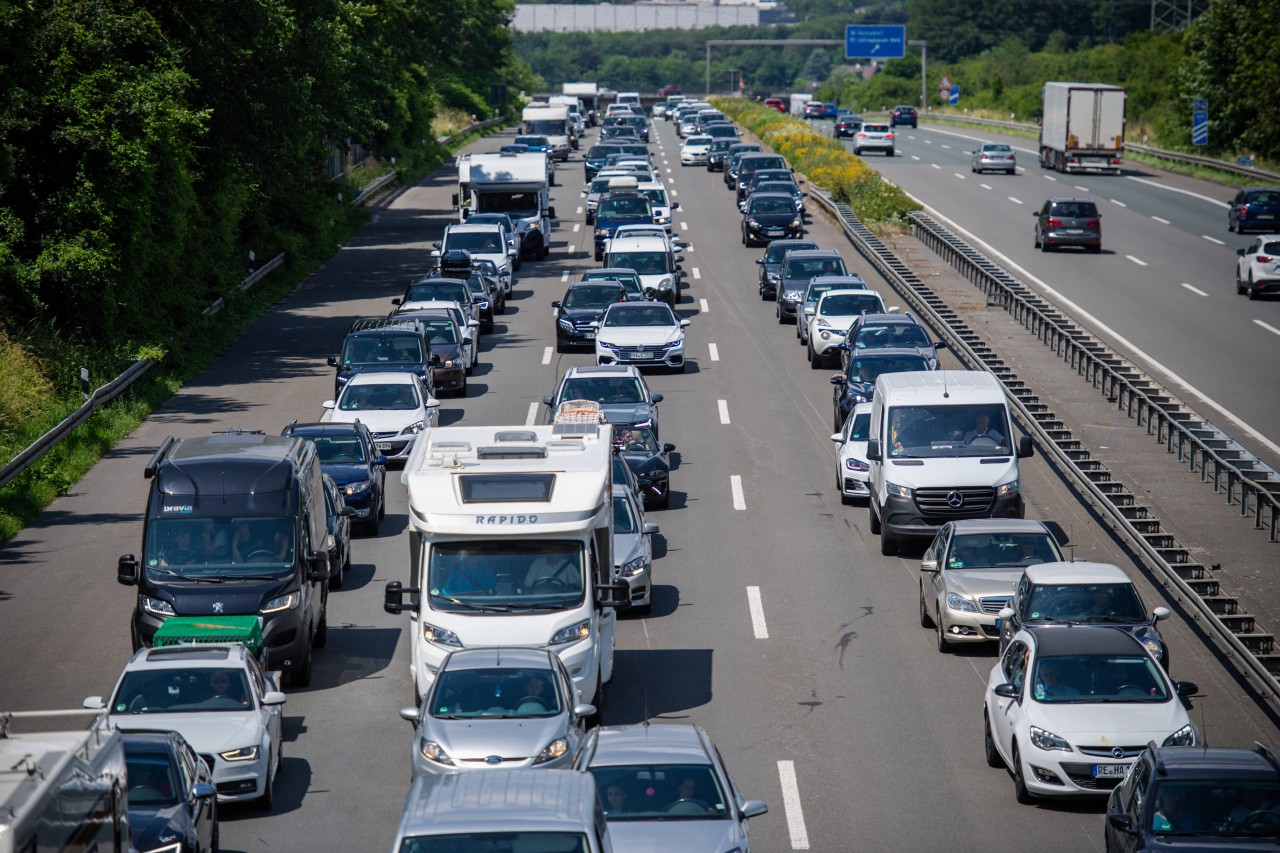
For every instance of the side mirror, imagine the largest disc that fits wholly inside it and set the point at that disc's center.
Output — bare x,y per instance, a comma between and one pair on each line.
1240,252
127,570
656,397
667,448
595,324
203,791
346,511
432,403
333,361
474,324
684,324
1186,688
435,245
393,597
811,309
396,301
318,566
930,566
760,261
328,404
650,527
435,253
274,697
679,259
583,193
410,715
939,344
837,438
379,460
1121,822
1008,691
754,808
1005,614
555,304
843,346
675,205
873,450
546,400
94,703
1025,448
1160,614
466,340
838,379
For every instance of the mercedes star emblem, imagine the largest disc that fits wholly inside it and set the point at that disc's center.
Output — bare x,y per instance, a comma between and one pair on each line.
955,500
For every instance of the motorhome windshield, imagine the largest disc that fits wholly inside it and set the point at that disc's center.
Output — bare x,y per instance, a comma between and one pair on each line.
497,575
515,203
546,127
948,430
223,547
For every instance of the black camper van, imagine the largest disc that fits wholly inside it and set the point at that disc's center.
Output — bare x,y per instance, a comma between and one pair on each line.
235,525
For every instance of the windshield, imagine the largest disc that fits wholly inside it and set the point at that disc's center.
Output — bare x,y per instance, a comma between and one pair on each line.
1208,807
506,693
474,241
1087,679
773,255
394,397
500,574
753,165
592,297
534,141
1104,602
506,841
383,349
873,336
152,781
949,430
624,521
627,280
697,140
773,205
999,550
182,691
847,304
801,268
636,440
227,545
660,792
514,203
657,198
603,389
641,315
430,291
547,126
340,449
869,369
644,263
624,207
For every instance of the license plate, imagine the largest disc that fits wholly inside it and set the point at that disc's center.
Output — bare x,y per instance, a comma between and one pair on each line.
1266,216
1075,230
1110,771
383,445
591,336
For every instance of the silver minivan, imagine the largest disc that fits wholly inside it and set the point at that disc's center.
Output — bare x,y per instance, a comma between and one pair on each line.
504,810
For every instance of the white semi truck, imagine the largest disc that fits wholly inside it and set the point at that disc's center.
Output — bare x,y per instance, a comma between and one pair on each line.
589,94
515,184
1082,127
511,544
551,121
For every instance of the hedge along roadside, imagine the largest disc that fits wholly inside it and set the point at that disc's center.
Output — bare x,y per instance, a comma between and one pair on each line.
882,206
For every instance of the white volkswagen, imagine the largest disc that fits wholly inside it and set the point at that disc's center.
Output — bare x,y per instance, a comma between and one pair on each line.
641,333
395,407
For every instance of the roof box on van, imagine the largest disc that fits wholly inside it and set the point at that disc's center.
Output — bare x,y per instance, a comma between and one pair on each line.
623,184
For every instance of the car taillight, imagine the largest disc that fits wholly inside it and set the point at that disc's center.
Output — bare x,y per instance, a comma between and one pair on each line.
862,135
1093,223
1054,223
1115,161
889,136
1244,210
1013,157
1264,259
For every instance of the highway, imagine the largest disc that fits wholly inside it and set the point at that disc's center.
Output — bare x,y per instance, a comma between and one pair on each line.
776,625
1163,289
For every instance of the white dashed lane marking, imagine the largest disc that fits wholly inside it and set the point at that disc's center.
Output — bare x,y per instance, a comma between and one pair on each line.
577,226
1197,291
935,165
703,307
791,805
1137,261
735,486
715,352
532,418
1014,200
723,406
985,186
684,226
1270,328
756,606
546,355
697,273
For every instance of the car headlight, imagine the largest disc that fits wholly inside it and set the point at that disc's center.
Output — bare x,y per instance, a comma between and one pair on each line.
956,601
483,304
661,220
565,324
1185,736
795,223
751,221
412,429
856,465
440,636
572,634
357,487
605,345
156,606
1009,488
773,277
535,226
933,363
282,602
432,751
631,568
1048,740
826,336
1150,639
666,284
552,751
601,233
895,490
247,753
448,362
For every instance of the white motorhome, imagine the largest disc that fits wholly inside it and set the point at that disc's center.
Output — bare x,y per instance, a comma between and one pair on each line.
589,94
514,184
62,789
940,448
551,121
511,544
577,116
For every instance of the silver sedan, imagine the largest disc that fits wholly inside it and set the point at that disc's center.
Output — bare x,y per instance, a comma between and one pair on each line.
994,157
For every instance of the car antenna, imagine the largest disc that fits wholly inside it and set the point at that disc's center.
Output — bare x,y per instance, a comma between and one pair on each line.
946,395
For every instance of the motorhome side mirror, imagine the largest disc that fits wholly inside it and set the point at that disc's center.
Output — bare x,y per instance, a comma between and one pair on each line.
318,563
395,301
409,715
551,212
1008,691
668,448
1160,614
127,570
203,791
393,597
1025,448
616,595
333,361
930,566
873,450
656,397
1120,822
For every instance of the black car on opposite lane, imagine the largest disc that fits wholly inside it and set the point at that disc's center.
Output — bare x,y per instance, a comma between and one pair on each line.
173,804
857,382
771,264
348,455
578,312
770,216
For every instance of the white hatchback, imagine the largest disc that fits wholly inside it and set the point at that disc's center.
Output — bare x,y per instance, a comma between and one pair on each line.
395,406
641,333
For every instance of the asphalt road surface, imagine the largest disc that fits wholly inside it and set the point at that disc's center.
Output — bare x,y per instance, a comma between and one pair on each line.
776,625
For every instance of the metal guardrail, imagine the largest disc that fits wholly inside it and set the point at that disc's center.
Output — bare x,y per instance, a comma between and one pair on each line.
1175,156
471,128
1189,582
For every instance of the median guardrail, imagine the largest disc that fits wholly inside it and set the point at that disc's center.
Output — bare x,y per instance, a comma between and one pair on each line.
1222,616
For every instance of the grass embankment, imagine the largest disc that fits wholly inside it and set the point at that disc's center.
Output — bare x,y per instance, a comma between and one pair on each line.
880,205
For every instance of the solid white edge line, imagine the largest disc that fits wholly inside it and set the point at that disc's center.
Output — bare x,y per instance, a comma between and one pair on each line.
1191,193
532,417
715,352
791,805
756,606
546,355
697,273
1139,261
723,406
739,498
703,307
1084,316
1213,240
1270,328
1194,290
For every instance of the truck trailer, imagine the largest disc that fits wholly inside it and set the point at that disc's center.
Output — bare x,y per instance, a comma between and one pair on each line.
1082,128
589,94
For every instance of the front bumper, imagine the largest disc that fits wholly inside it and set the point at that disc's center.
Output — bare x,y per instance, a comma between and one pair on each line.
576,338
903,518
765,233
787,307
825,341
448,378
641,586
651,357
1054,773
854,485
393,445
965,626
693,159
423,766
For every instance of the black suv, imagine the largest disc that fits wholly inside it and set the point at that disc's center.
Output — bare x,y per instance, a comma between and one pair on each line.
397,344
1256,208
890,331
1193,798
903,115
171,794
349,456
771,264
1068,222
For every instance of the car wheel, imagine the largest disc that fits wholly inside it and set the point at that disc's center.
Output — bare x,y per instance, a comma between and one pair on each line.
1252,289
462,389
1044,244
373,525
857,152
873,519
1037,239
215,839
989,743
1019,781
268,798
940,633
926,621
1230,226
338,578
1012,172
1239,283
889,153
815,360
322,630
382,503
301,676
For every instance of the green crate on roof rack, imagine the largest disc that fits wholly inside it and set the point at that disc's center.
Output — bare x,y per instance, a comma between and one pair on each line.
246,630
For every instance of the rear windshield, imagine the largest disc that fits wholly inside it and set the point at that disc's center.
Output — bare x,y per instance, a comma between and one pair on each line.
756,164
773,205
844,304
448,291
1074,208
774,253
1264,197
813,267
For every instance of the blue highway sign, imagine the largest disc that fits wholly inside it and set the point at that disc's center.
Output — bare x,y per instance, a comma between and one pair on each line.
875,42
1200,122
